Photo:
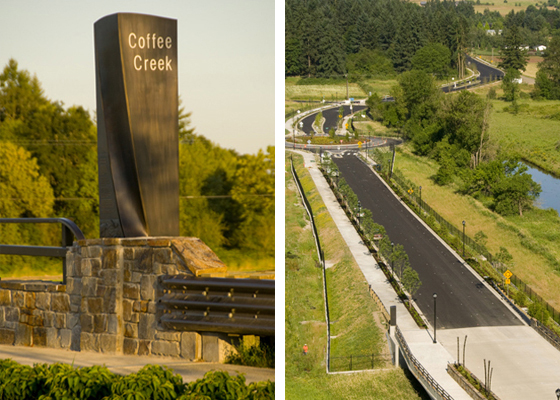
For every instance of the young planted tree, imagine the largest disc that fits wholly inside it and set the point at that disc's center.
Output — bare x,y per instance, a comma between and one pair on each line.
411,281
399,260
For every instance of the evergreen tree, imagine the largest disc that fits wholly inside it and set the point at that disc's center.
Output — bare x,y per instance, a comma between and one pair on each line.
547,84
513,53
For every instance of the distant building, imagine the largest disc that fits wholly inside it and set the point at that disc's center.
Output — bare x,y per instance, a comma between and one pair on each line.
540,48
491,32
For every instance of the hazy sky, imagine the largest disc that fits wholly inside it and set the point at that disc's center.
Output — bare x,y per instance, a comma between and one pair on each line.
226,58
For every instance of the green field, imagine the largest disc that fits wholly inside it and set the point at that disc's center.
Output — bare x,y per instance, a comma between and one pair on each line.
352,310
517,234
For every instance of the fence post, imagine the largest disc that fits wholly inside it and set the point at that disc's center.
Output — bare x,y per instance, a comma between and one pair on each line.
350,362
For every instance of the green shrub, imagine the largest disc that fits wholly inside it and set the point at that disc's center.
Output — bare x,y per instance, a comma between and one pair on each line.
261,356
63,381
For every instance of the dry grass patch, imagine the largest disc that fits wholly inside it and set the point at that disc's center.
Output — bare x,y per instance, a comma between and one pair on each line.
320,92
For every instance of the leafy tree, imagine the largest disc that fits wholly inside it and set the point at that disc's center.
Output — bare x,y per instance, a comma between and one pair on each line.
368,62
62,140
399,260
510,86
465,119
420,95
411,281
513,53
516,192
433,58
254,190
24,193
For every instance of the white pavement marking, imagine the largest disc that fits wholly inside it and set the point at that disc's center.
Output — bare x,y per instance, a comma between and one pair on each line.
433,357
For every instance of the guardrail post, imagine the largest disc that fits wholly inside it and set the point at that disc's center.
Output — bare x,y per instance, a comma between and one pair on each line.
67,241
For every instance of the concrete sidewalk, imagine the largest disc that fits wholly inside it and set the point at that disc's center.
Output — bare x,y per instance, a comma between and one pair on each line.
121,364
433,357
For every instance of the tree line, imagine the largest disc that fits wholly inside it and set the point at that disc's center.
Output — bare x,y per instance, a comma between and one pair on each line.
48,168
382,37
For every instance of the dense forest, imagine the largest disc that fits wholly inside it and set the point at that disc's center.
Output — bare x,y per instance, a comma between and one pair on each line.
48,167
328,38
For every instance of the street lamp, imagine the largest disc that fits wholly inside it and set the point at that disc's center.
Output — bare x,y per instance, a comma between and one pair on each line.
435,297
463,239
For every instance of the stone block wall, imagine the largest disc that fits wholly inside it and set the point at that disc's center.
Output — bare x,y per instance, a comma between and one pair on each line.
109,303
35,314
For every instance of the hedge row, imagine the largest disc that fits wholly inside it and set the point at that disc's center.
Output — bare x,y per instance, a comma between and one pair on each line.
63,381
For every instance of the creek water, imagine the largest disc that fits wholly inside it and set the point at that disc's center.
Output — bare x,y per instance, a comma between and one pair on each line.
550,195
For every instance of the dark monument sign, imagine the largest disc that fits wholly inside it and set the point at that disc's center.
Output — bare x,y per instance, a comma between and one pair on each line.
137,122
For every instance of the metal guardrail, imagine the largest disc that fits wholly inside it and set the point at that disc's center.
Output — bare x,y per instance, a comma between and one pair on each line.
238,306
321,255
69,231
419,368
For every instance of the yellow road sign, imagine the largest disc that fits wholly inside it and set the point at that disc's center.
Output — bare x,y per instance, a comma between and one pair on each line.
508,274
508,281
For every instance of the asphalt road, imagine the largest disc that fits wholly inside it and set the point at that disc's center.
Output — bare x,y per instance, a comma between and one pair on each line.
462,301
331,118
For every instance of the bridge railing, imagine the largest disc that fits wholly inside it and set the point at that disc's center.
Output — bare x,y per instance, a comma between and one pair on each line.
69,231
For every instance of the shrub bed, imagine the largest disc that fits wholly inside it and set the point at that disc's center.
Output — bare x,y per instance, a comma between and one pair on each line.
63,381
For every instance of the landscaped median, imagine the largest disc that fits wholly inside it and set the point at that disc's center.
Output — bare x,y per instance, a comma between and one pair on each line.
353,328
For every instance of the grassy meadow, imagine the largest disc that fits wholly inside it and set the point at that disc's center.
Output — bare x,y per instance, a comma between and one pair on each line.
517,234
331,92
351,308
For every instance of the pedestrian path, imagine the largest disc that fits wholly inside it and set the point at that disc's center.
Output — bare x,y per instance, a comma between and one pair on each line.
433,357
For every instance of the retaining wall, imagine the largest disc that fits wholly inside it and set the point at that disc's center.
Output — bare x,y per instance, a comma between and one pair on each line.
109,303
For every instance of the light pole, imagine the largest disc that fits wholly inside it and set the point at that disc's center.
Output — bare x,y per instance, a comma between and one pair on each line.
435,297
463,239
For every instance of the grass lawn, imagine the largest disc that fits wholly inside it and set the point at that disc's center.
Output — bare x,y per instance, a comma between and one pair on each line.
241,260
351,309
531,134
514,233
